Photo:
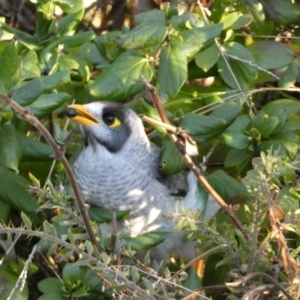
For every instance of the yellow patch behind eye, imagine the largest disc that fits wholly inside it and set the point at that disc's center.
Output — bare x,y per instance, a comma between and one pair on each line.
116,123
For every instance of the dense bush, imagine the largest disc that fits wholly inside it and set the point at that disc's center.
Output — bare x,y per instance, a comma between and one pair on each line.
229,77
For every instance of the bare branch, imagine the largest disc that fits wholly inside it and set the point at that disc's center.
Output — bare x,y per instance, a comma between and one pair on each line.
270,279
59,153
181,148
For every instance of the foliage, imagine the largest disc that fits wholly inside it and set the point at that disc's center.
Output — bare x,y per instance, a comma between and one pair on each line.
220,78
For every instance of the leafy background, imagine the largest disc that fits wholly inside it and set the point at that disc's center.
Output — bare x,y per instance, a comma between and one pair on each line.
227,72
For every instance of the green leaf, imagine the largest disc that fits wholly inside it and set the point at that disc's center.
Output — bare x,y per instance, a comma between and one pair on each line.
26,220
225,185
151,31
237,157
147,240
107,46
238,71
283,12
67,25
49,229
152,113
123,78
47,103
70,6
101,215
149,285
285,107
236,140
193,282
149,17
10,72
194,39
33,150
51,285
271,55
288,199
228,111
72,274
30,65
14,191
50,82
171,161
268,126
51,296
4,212
77,39
202,128
235,20
24,38
208,57
91,279
66,62
291,146
28,92
81,292
239,125
186,21
44,15
289,137
10,151
275,145
290,75
171,73
5,35
264,123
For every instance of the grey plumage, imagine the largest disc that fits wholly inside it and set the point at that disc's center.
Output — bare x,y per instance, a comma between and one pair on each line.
118,169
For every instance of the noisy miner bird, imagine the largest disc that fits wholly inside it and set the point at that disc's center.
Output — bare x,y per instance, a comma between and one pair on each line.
118,169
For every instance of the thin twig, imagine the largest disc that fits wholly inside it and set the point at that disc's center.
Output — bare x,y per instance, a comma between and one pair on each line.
207,289
160,124
59,153
199,257
54,161
251,64
270,279
259,290
180,146
20,284
85,255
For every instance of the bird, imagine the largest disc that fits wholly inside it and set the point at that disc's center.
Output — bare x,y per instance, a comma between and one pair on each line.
118,169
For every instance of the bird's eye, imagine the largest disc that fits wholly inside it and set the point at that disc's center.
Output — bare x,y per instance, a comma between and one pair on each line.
111,121
71,112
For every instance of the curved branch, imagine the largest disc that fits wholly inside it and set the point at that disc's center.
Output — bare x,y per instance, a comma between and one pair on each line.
270,279
181,148
59,153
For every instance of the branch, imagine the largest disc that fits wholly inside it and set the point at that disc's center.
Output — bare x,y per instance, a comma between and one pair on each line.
105,268
200,257
270,279
59,153
181,148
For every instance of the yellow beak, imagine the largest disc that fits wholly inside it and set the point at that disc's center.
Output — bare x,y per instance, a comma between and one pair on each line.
80,114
